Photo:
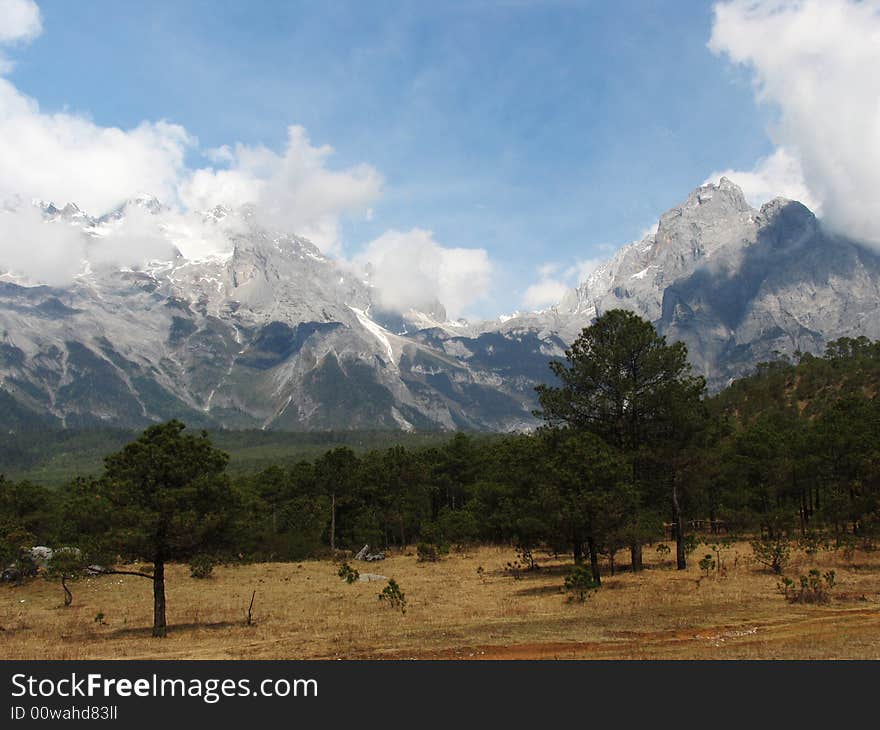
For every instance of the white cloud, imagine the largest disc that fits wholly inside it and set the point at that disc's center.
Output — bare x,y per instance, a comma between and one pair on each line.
555,280
66,157
777,175
545,271
294,190
816,62
411,270
544,293
134,240
19,21
54,252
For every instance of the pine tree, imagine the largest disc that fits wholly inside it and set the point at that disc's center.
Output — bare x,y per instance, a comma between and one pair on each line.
164,497
625,384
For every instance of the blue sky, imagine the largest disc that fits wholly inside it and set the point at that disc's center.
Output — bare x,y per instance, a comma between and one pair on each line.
542,132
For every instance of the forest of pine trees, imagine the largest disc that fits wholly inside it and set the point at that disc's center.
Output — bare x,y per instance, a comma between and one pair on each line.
632,451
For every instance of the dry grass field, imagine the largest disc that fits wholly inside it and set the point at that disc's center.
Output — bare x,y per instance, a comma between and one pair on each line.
304,611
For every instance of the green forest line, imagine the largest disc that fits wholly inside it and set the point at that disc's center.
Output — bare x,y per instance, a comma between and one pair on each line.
49,457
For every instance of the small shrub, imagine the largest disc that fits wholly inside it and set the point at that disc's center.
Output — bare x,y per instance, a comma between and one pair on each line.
348,574
527,558
480,572
720,550
99,619
811,543
514,569
392,594
580,584
773,553
201,567
707,564
663,551
690,544
814,587
428,552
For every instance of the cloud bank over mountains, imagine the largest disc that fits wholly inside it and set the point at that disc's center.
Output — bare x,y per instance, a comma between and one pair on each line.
67,157
814,62
554,280
411,270
294,190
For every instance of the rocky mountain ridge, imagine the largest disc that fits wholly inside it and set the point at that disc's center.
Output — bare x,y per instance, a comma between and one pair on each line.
270,333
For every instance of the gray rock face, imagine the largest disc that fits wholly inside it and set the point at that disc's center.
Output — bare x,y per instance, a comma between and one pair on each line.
790,287
272,334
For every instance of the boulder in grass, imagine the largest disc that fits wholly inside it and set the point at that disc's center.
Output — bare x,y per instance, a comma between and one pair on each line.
40,555
370,577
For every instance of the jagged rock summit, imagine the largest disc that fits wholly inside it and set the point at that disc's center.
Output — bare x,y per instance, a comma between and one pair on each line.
738,285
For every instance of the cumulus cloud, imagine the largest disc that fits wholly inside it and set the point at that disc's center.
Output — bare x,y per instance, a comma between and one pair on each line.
19,21
28,245
815,62
54,252
66,157
555,280
544,293
137,238
777,175
411,271
294,190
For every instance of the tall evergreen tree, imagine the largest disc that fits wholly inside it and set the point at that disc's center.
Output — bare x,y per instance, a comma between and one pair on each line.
164,497
624,383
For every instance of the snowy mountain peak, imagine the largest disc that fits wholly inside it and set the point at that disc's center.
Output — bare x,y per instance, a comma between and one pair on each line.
141,201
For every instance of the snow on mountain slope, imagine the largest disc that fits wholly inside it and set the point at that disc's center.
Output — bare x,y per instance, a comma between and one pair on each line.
266,333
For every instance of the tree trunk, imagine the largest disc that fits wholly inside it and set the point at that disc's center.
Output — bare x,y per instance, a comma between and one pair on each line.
680,554
578,551
635,554
333,523
594,560
68,596
159,626
611,561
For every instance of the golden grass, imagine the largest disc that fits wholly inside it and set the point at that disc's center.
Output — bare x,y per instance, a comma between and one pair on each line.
304,611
